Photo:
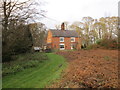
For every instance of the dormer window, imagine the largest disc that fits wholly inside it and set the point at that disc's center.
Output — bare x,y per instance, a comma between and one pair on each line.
72,39
61,39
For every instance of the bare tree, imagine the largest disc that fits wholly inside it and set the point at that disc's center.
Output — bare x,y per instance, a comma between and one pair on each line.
101,29
87,23
19,11
58,27
38,32
15,15
111,24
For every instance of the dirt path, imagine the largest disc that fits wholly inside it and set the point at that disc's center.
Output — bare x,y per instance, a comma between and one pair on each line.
90,69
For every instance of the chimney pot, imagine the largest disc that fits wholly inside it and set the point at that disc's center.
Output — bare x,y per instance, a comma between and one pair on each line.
62,26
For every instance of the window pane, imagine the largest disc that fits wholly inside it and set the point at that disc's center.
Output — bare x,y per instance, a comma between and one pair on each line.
61,46
62,39
72,39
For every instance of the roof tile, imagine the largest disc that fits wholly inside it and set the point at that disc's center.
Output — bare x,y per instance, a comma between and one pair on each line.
64,33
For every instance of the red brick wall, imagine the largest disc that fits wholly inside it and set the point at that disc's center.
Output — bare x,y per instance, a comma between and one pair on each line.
49,37
67,42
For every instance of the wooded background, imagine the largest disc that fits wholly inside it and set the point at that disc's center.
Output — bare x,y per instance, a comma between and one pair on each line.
18,36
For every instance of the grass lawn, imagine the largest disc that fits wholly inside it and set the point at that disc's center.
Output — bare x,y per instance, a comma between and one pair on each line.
37,77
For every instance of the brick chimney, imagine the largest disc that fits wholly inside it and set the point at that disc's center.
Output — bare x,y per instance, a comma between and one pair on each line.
62,26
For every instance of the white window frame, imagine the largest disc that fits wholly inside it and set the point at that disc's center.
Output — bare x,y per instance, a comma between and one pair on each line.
72,38
62,48
60,39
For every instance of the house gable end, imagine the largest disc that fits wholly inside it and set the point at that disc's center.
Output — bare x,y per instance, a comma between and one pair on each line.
49,37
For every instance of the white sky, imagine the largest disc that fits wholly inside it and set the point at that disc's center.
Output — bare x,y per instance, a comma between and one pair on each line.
59,11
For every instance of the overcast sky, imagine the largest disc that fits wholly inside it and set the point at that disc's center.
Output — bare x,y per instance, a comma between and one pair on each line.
59,11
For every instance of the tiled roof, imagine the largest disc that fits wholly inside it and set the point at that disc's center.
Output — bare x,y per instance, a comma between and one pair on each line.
64,33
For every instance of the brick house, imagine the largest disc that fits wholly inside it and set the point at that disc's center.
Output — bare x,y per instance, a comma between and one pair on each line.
63,39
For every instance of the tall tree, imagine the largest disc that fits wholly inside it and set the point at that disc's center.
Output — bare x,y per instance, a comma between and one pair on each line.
38,31
100,27
15,15
18,10
111,24
87,26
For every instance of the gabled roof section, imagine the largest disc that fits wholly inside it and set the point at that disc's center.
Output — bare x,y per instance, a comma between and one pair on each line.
64,33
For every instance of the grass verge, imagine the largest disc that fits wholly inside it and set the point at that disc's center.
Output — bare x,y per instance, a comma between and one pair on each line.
37,77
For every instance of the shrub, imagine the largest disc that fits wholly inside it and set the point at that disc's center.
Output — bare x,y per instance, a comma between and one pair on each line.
108,43
55,50
48,50
23,62
16,41
93,46
104,43
99,41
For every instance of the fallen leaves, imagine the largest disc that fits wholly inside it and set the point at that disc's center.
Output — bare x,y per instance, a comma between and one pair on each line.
89,69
